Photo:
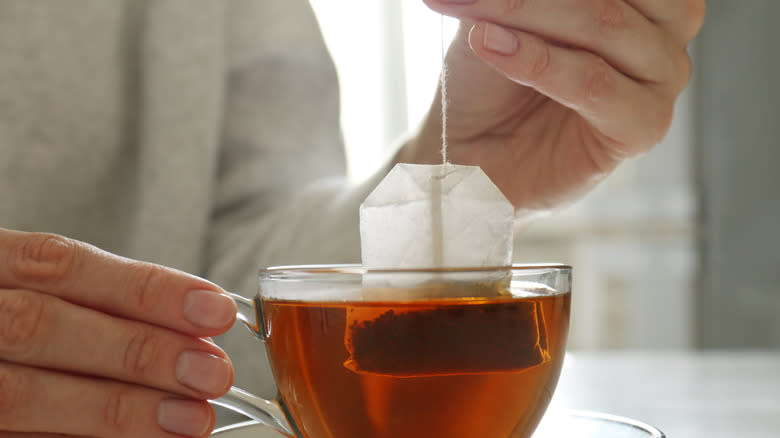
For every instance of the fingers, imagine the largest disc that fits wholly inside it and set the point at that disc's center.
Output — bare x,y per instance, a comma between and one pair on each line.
36,435
627,112
59,302
47,332
612,29
46,402
84,275
682,18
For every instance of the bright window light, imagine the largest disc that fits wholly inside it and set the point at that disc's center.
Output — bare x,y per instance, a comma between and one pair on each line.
388,55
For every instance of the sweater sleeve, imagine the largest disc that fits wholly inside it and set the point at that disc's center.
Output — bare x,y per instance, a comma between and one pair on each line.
282,195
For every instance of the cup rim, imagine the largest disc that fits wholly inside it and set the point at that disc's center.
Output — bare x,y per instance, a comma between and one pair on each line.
358,269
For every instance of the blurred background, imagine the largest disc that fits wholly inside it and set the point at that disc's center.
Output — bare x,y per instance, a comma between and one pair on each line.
677,249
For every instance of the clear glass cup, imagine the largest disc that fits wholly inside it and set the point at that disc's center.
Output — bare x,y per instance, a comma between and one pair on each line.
564,424
429,352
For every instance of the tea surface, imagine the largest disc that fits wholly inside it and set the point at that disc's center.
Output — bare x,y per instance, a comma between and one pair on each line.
456,368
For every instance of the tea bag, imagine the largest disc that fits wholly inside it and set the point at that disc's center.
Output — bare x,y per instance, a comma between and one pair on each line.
439,216
464,338
436,216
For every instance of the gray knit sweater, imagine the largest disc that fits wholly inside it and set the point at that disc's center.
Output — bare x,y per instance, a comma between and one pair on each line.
198,134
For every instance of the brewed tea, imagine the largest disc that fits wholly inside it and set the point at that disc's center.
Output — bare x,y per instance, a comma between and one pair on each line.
492,374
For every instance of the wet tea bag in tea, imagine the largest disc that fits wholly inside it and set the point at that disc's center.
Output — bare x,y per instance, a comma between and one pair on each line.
422,217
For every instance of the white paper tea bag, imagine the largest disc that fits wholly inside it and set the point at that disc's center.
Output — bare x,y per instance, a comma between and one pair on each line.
436,216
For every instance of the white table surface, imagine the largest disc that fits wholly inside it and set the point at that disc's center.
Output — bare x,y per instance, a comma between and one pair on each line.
687,395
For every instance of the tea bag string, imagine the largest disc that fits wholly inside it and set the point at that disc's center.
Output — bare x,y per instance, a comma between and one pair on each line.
437,221
444,101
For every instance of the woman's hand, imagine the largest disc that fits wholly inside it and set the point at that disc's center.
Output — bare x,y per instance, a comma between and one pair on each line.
549,96
96,345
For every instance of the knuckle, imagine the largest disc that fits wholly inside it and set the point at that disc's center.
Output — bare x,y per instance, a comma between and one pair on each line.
43,258
598,81
141,294
610,16
13,394
540,64
117,412
695,12
514,5
20,321
676,71
141,353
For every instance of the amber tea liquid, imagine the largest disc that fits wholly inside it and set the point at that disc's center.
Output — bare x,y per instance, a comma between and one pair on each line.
454,368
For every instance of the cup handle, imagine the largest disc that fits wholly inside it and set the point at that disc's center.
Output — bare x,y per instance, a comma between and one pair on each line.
259,409
256,408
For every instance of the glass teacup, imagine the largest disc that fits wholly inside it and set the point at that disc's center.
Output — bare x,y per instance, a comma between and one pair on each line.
408,353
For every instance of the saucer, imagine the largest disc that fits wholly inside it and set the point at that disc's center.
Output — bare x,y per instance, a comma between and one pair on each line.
569,423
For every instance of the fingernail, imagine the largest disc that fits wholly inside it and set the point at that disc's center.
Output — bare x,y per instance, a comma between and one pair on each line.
203,372
209,309
185,417
499,40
